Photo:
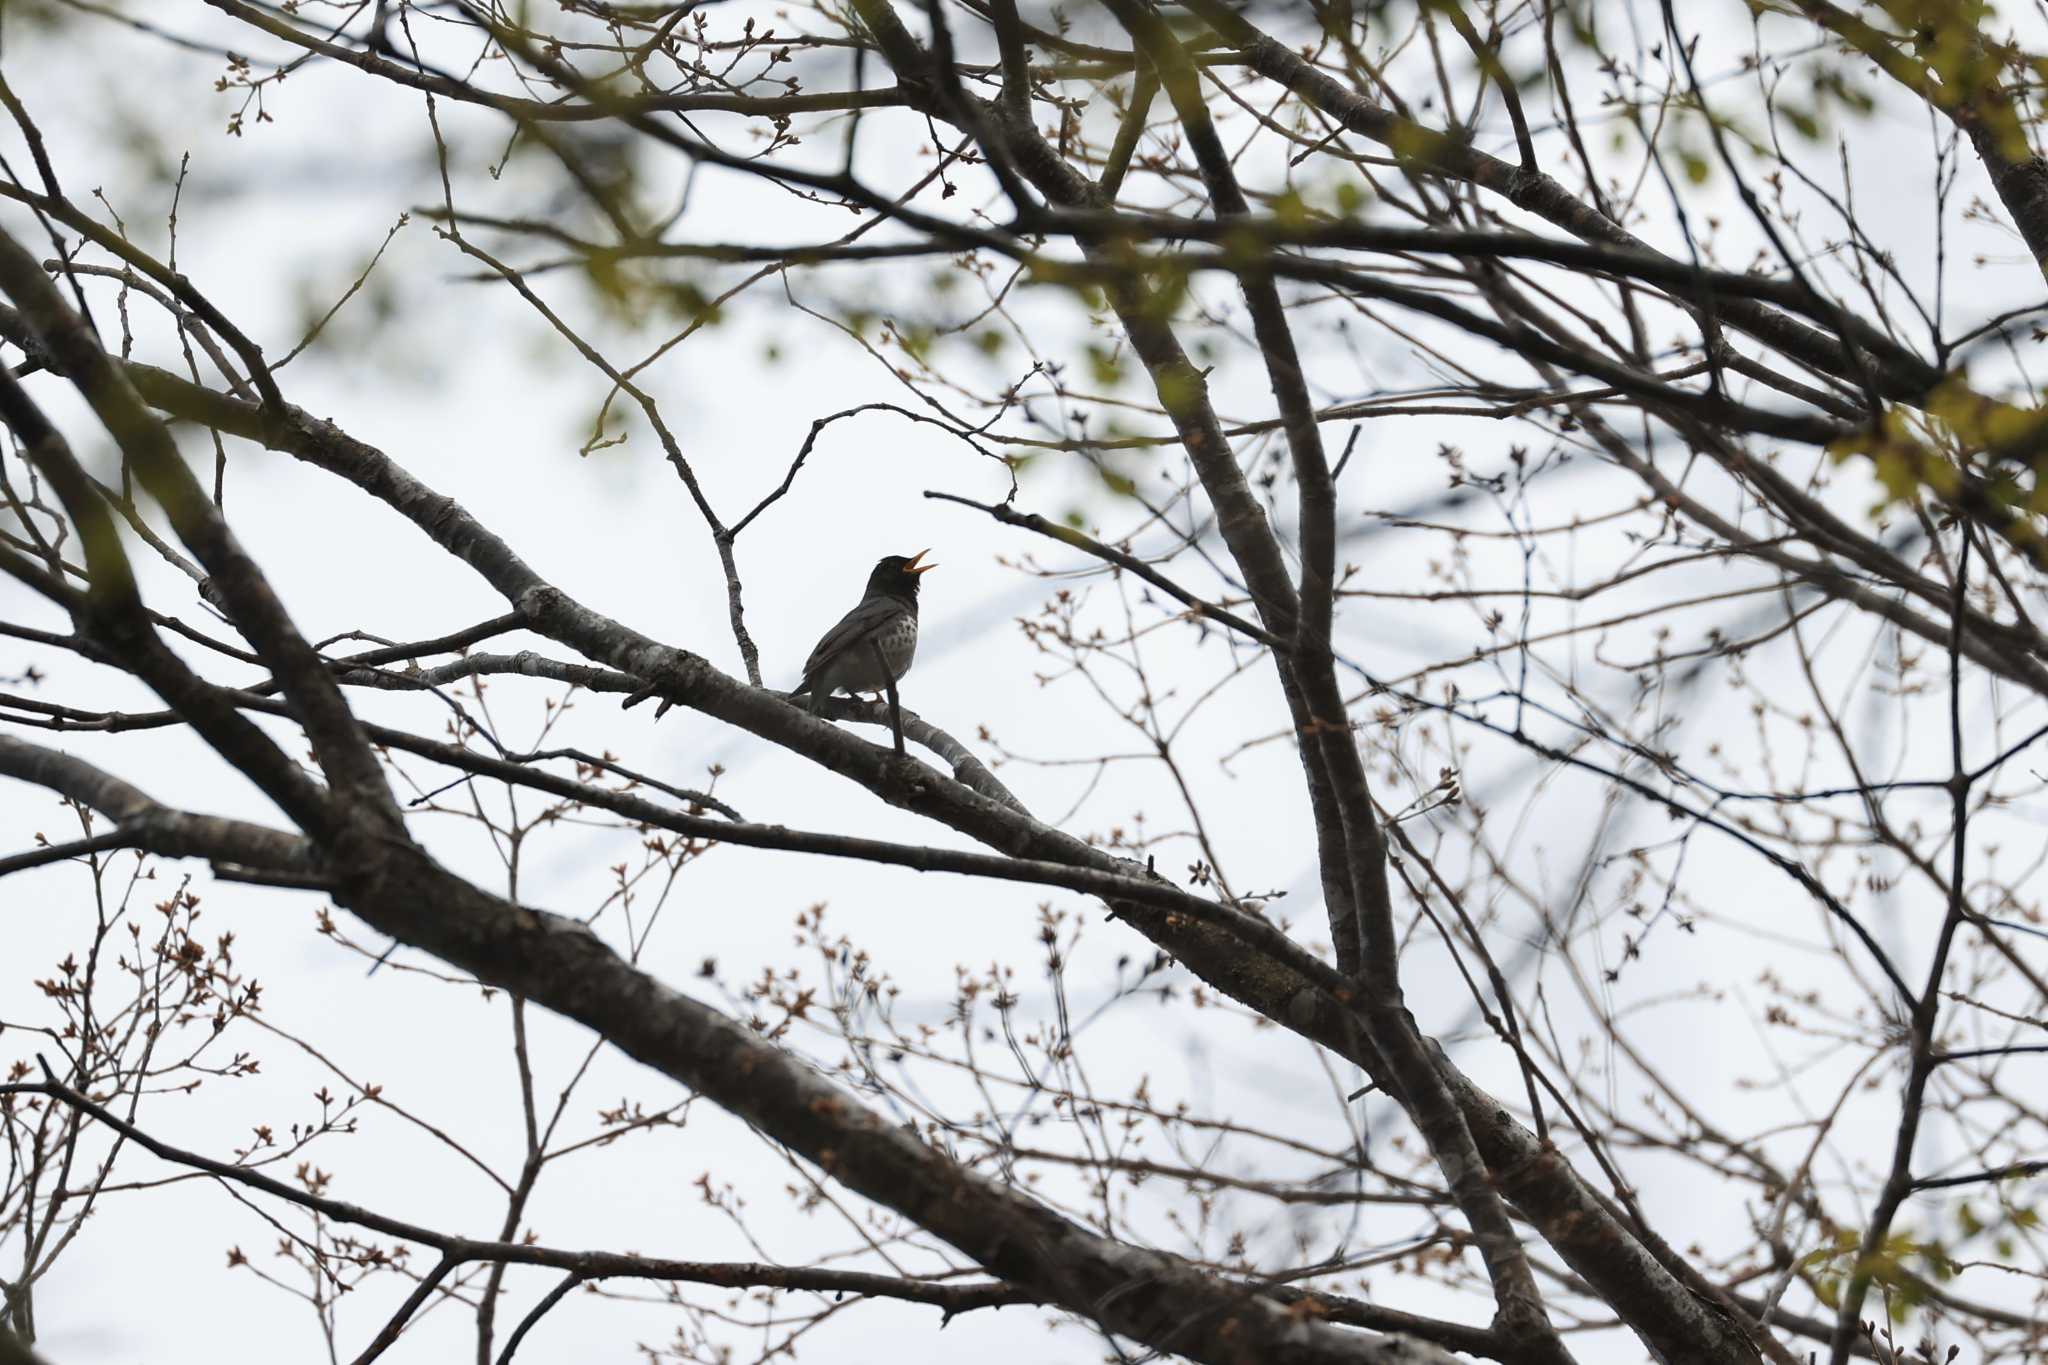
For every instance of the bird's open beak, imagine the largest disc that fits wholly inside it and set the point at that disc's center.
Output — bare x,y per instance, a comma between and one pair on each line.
913,567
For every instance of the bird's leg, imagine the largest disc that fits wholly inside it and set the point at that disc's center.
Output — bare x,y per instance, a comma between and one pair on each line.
895,705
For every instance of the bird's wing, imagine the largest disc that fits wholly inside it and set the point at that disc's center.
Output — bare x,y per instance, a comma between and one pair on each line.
853,627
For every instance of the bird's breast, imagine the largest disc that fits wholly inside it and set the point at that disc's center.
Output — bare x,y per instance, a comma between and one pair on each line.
899,643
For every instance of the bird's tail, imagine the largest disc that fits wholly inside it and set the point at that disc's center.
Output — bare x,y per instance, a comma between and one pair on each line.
807,695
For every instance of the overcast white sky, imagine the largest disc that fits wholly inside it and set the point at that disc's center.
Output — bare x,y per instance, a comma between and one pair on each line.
472,394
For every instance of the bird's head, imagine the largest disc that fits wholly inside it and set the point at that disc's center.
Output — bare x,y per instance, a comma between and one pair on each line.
897,576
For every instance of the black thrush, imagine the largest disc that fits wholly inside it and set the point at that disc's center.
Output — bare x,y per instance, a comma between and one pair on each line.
879,633
872,646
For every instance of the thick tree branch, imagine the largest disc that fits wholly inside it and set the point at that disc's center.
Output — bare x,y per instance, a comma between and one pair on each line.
1357,843
343,753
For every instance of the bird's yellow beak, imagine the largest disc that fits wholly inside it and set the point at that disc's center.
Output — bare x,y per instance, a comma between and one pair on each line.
913,567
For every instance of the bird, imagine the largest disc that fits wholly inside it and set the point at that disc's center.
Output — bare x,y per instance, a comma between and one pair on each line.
883,624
